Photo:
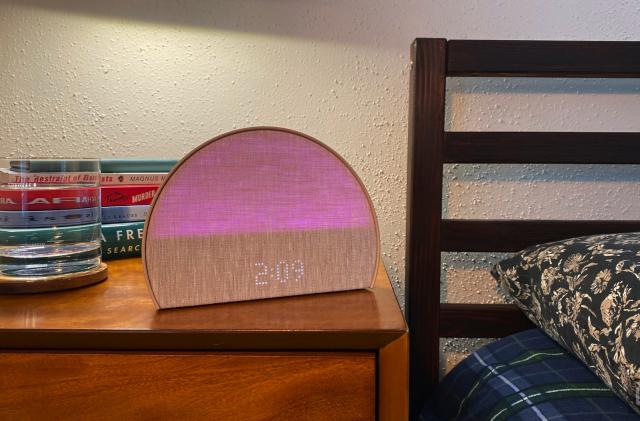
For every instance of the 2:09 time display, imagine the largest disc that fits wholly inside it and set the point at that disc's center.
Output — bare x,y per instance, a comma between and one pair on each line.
283,271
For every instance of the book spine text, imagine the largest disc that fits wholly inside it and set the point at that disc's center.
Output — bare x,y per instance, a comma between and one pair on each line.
128,195
122,240
113,214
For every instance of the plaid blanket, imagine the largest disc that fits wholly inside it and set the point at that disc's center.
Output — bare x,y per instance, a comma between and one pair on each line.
526,376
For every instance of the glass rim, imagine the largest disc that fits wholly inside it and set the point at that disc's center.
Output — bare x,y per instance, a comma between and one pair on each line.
49,165
48,159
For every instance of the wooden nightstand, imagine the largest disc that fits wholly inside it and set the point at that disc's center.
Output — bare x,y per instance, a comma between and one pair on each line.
104,352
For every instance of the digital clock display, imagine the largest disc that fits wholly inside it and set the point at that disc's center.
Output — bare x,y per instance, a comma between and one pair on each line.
282,272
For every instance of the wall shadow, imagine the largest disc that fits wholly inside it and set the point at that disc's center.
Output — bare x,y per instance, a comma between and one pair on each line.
360,22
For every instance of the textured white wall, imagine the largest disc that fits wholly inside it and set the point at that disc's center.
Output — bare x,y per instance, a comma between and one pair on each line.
157,77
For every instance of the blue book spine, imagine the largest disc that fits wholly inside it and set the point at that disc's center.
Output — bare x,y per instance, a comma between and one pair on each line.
136,165
115,214
122,240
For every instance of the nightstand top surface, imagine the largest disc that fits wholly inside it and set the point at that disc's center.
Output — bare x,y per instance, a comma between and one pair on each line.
119,314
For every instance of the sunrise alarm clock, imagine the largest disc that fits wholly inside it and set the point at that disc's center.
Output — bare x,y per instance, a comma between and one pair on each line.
259,213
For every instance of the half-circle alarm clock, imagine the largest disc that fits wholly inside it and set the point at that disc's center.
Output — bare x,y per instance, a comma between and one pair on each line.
259,213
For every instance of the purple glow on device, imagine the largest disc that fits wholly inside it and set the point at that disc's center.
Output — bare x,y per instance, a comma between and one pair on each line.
259,213
253,181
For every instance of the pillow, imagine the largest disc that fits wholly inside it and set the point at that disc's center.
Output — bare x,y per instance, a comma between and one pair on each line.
585,293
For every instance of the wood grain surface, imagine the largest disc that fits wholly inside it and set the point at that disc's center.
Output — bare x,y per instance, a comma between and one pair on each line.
212,386
481,320
393,380
424,212
542,147
514,235
543,58
36,284
119,314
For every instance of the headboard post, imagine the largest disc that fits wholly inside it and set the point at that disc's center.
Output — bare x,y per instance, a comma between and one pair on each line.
424,212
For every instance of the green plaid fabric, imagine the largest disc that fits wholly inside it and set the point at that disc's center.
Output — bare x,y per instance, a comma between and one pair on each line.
526,376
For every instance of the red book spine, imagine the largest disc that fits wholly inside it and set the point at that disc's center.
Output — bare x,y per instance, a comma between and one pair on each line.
128,195
48,199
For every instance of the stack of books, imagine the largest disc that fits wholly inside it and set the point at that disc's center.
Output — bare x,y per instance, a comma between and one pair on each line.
127,188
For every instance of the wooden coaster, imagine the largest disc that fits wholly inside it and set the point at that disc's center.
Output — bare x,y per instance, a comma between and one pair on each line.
34,284
259,213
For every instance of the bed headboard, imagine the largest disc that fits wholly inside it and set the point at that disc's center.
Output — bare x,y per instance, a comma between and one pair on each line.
430,146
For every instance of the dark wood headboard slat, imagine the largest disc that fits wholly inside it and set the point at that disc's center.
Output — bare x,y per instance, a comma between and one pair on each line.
542,147
512,235
481,320
543,58
426,137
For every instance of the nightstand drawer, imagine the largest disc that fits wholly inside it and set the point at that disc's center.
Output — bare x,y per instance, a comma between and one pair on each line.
237,386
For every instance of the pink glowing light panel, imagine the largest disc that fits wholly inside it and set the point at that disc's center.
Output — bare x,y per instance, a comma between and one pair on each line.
259,213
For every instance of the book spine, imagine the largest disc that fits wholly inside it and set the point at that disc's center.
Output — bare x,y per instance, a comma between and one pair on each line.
13,177
48,199
53,166
136,165
113,214
128,195
59,235
122,240
116,179
51,218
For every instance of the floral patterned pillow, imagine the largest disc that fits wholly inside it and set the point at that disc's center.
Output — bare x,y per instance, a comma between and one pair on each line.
585,293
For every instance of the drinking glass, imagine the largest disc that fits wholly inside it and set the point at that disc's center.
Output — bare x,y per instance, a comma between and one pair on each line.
49,216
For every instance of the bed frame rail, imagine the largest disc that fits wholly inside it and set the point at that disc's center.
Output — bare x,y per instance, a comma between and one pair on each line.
541,148
543,58
474,235
481,320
